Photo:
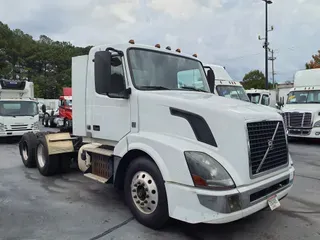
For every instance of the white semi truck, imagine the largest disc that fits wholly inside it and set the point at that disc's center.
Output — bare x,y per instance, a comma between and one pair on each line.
178,151
19,111
225,86
262,96
302,110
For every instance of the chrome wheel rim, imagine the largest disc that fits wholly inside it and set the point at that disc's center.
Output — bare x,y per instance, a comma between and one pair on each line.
25,151
40,156
144,192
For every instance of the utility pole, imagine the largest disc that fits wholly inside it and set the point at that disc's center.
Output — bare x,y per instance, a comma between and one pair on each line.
266,43
272,58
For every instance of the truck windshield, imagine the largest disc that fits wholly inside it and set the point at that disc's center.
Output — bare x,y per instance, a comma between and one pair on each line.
303,97
254,97
236,92
69,103
18,108
151,70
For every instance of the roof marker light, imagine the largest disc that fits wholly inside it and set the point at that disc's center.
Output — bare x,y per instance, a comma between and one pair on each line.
131,41
168,48
157,45
178,50
195,55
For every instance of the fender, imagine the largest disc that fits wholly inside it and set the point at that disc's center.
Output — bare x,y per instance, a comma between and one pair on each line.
167,151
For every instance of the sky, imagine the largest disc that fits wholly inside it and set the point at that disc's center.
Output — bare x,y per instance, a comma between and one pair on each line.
223,32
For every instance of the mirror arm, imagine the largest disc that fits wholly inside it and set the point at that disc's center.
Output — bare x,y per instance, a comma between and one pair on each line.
110,49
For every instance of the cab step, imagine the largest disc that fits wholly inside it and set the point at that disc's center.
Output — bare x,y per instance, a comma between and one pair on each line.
100,151
96,177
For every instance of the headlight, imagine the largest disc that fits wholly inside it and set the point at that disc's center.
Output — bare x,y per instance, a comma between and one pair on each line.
317,124
207,172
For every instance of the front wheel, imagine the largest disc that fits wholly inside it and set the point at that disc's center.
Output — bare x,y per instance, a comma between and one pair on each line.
145,193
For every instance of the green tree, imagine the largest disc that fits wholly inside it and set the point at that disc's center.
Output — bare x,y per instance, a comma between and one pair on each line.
254,79
44,61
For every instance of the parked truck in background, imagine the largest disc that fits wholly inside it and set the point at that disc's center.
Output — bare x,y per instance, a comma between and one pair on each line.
225,86
302,109
19,112
141,123
262,96
62,117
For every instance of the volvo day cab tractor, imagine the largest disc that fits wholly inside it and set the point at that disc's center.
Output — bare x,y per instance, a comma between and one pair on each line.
141,122
302,110
19,112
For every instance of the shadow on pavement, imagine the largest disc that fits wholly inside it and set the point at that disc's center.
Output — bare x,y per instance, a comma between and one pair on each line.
9,140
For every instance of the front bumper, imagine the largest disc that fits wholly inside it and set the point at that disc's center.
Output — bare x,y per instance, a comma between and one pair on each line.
194,205
303,133
9,133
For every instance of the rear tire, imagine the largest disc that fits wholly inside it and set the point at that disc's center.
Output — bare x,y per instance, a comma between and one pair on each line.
53,124
145,193
27,148
47,164
46,122
44,118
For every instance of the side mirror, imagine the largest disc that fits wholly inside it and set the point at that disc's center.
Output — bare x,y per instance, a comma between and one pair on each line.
102,71
211,79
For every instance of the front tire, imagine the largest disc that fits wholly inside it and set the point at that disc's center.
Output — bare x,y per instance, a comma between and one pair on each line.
145,193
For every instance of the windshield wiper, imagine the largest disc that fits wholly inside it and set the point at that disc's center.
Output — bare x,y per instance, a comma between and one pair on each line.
154,87
193,88
313,102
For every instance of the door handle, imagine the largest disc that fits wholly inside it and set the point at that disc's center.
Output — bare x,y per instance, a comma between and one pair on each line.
96,128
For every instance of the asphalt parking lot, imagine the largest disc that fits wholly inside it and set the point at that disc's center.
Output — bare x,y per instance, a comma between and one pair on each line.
73,207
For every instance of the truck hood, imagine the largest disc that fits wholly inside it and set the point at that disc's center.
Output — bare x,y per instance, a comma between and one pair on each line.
210,102
272,109
314,108
226,118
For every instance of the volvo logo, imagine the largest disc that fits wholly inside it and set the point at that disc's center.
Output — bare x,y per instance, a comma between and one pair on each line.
270,147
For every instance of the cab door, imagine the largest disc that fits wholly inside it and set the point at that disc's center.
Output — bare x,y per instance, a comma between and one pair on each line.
110,110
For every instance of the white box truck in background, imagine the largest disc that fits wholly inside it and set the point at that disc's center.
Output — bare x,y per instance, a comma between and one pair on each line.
302,109
176,149
19,111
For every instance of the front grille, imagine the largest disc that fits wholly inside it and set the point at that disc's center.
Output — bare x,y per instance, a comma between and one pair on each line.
298,120
16,127
260,140
17,130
